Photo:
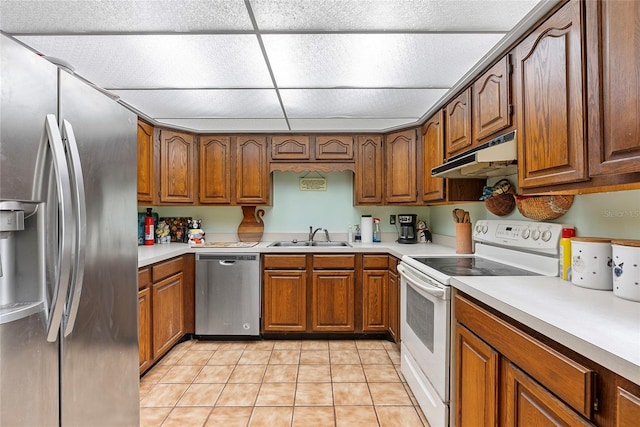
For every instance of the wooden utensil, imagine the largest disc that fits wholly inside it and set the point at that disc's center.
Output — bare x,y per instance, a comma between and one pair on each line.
454,215
467,217
460,215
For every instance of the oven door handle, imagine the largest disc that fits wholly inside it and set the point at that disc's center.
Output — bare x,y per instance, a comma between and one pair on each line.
420,282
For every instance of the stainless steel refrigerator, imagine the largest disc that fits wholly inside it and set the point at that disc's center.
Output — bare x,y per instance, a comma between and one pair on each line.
68,249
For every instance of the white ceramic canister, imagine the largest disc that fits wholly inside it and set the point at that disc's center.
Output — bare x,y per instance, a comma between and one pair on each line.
591,263
366,228
626,269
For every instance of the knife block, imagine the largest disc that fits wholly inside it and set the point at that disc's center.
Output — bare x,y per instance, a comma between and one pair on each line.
463,238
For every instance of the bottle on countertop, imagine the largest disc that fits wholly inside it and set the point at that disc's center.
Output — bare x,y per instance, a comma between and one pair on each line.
149,234
376,230
357,236
565,252
350,234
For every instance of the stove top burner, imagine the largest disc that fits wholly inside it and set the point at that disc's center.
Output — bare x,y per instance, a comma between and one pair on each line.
472,266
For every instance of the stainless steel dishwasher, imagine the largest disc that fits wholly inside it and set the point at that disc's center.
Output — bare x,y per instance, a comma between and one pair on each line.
228,294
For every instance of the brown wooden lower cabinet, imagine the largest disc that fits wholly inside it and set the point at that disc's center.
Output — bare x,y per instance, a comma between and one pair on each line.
375,316
163,290
476,381
333,301
507,376
144,328
284,301
394,300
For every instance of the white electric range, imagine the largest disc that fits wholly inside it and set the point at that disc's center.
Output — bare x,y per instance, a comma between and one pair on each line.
502,248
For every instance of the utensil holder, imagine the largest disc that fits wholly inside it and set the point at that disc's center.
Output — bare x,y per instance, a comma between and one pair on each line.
463,238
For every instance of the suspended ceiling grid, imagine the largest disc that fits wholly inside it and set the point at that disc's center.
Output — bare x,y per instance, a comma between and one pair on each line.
270,65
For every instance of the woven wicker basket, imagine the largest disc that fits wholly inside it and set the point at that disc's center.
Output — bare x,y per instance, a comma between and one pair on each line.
543,208
501,204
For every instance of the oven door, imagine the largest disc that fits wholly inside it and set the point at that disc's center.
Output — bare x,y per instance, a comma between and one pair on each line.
425,327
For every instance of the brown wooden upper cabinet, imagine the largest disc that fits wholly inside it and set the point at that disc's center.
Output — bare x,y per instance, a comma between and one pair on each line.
334,147
146,163
215,169
491,104
177,167
614,87
252,171
290,147
550,103
369,170
458,123
401,162
433,189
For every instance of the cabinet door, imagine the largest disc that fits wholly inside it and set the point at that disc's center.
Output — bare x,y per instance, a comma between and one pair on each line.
476,381
290,147
432,156
458,128
491,101
252,171
375,305
369,170
527,403
285,300
144,328
627,408
334,148
215,169
614,85
177,167
394,306
146,163
333,301
401,162
550,103
167,313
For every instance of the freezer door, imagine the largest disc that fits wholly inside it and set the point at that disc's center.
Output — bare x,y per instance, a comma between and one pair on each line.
28,363
99,365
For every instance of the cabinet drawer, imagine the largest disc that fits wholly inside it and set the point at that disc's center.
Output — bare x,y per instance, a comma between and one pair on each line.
287,262
567,379
167,268
144,277
393,264
375,262
334,261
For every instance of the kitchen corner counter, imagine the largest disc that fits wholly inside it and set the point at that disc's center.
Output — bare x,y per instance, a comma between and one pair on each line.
151,254
595,324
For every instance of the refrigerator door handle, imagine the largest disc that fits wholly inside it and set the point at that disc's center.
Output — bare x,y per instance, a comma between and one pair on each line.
80,207
52,139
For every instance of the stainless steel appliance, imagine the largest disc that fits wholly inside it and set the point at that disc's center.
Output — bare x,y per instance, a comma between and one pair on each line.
68,253
228,294
503,248
407,228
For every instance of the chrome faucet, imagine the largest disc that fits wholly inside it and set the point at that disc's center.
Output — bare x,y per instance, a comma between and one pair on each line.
312,232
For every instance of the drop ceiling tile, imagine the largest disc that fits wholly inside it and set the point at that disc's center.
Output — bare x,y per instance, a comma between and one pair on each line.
374,60
160,61
228,125
64,16
222,103
348,125
358,103
390,15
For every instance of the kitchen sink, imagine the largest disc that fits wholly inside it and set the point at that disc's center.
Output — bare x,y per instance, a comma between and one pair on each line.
290,244
330,244
295,243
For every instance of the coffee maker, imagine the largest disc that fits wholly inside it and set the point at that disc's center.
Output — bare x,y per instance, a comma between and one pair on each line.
407,228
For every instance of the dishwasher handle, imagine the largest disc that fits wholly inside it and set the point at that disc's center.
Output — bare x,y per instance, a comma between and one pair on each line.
226,262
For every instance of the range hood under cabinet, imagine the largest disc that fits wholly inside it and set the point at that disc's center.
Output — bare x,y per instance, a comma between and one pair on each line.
497,157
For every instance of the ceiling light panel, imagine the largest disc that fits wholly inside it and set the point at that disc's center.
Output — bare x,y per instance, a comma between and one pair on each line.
62,16
160,61
228,125
374,60
352,103
241,103
390,15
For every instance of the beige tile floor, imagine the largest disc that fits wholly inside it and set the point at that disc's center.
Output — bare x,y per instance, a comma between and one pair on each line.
279,383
